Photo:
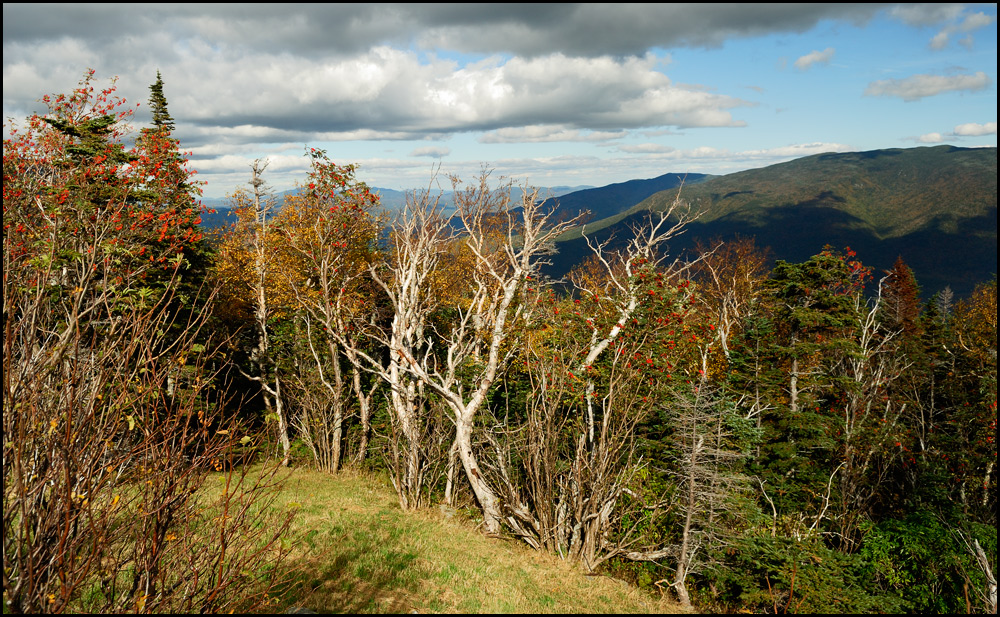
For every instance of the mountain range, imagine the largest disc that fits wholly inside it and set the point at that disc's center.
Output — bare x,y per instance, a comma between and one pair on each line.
936,207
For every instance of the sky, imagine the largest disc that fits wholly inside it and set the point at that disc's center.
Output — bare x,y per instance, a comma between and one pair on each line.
544,94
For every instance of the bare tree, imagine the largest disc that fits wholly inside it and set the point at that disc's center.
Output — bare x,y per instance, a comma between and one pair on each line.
572,493
991,580
507,244
730,276
418,240
458,361
706,471
109,436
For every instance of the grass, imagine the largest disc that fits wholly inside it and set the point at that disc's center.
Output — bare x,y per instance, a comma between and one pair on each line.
355,551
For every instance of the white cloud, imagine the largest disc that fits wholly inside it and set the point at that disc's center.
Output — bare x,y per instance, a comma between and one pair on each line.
969,24
931,138
973,129
384,93
547,133
976,21
795,151
917,87
926,14
814,57
647,148
940,40
263,80
776,154
431,151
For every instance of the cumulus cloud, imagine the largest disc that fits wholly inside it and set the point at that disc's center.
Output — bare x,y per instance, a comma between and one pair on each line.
264,79
954,18
970,129
917,87
388,93
940,40
973,129
814,57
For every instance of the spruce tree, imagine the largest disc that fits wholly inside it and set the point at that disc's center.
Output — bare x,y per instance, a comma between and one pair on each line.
158,104
174,196
901,296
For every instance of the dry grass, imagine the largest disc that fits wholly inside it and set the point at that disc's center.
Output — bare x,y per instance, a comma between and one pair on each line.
354,550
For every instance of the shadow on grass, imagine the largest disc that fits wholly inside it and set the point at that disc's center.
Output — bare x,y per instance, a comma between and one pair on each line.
357,565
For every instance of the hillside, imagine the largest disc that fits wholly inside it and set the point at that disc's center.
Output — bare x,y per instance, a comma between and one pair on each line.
934,206
613,199
355,551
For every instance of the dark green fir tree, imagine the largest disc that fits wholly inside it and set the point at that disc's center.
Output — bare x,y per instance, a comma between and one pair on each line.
158,104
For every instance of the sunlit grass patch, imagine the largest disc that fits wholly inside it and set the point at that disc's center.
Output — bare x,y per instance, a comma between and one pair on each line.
354,550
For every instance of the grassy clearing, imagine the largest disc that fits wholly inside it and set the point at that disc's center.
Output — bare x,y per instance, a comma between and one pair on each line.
355,551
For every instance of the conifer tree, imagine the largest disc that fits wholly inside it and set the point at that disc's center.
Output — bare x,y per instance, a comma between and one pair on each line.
174,195
902,299
158,104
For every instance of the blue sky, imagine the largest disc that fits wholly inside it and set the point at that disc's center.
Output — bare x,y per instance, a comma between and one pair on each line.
547,94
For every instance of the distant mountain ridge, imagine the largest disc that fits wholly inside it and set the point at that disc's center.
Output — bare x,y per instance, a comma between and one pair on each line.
934,206
393,200
389,199
610,200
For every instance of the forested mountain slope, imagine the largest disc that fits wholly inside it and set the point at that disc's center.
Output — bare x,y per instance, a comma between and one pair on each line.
935,207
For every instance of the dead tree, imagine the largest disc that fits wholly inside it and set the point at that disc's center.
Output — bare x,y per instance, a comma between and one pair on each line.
419,237
460,361
706,473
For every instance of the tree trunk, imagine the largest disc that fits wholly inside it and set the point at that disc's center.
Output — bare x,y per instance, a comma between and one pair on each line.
484,494
410,470
991,581
279,410
793,387
684,559
338,409
449,487
364,405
